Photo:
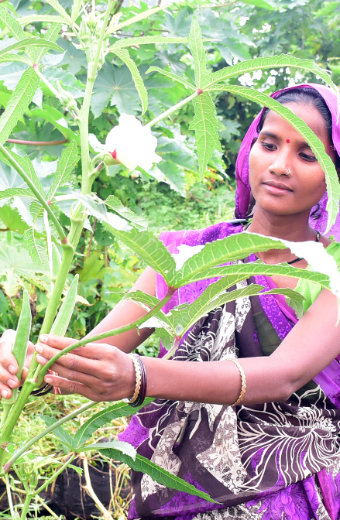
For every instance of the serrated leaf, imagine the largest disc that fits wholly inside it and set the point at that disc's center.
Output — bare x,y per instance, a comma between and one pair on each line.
36,250
14,58
114,26
30,42
15,192
151,250
102,418
160,319
56,118
243,271
219,252
18,103
270,63
172,76
51,35
8,20
65,167
123,55
40,18
115,204
27,166
316,145
124,447
158,474
205,125
62,434
210,299
59,8
202,75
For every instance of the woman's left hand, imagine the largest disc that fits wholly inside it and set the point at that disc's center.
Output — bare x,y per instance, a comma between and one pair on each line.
97,371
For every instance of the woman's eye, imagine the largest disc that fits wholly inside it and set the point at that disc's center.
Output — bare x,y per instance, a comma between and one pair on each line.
308,157
268,146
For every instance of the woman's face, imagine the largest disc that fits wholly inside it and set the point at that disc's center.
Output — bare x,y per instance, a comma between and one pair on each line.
284,175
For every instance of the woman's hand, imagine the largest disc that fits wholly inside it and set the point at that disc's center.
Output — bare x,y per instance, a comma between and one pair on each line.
8,364
97,371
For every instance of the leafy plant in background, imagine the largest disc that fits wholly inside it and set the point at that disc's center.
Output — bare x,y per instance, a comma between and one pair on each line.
58,213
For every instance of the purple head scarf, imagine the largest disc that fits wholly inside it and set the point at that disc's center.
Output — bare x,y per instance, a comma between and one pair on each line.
242,198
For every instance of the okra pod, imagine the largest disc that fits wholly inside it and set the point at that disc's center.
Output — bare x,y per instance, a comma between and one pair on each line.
65,312
21,342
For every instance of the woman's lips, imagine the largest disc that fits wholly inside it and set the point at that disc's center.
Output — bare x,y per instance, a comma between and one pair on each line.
277,187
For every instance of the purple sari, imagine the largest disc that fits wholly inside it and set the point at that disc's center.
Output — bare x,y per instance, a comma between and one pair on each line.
271,461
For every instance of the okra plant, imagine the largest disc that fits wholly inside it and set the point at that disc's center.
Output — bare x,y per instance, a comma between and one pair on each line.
94,28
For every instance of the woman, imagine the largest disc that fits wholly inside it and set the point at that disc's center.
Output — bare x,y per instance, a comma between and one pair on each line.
273,454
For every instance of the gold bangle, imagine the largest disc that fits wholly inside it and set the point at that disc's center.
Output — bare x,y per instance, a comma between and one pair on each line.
138,379
243,383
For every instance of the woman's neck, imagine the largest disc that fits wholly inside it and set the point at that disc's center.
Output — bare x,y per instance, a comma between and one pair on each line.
294,228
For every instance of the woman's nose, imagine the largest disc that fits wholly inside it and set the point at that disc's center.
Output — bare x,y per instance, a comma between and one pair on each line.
280,165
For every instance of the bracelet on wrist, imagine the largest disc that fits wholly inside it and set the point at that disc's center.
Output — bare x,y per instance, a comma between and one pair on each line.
140,384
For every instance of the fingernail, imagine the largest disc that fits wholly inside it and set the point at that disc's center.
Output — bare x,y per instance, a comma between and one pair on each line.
43,338
39,348
48,380
12,383
12,369
5,393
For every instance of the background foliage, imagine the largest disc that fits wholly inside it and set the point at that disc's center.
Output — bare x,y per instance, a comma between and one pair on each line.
173,195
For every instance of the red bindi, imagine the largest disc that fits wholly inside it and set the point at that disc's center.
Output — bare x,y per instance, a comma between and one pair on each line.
287,140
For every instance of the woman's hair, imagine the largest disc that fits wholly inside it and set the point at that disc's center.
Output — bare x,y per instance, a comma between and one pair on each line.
306,95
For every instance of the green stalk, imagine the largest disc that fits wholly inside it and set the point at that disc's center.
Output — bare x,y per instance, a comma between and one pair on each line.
32,187
93,68
170,110
47,430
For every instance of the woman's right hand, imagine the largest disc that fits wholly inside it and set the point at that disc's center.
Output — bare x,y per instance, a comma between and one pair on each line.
8,364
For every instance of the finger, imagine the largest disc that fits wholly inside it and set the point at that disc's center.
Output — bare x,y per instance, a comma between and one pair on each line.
90,350
69,361
86,379
71,387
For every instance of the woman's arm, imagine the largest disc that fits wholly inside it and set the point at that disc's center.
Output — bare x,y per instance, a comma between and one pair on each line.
101,372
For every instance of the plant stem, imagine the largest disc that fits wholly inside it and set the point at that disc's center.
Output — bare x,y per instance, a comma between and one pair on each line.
9,498
55,475
105,513
93,67
36,192
50,428
170,110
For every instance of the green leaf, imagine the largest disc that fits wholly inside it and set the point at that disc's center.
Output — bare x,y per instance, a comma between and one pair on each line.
30,42
160,319
294,299
114,26
59,8
16,192
62,434
66,164
9,21
172,76
56,118
221,251
40,18
101,419
243,271
36,250
51,36
115,204
205,125
14,58
18,103
269,63
210,299
317,146
27,166
158,474
123,54
151,250
202,75
124,447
